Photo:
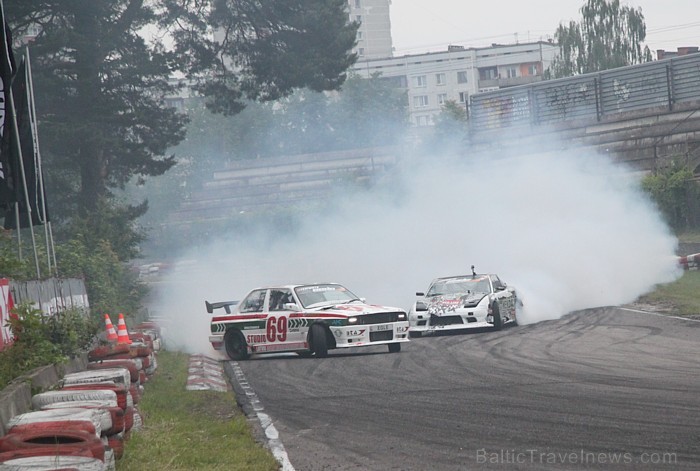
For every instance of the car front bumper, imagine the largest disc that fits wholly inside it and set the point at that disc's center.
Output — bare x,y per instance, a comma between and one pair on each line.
372,334
456,320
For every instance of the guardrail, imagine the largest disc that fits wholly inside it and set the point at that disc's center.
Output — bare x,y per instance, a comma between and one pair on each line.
654,85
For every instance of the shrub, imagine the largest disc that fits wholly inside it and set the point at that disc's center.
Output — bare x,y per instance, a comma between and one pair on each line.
41,340
677,195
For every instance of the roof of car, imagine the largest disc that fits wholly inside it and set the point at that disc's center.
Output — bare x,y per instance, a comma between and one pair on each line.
478,275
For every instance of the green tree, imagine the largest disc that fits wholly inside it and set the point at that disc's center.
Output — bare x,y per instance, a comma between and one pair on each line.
677,195
102,88
102,92
608,36
450,130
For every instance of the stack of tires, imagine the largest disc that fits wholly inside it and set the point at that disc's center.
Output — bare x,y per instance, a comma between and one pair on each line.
84,424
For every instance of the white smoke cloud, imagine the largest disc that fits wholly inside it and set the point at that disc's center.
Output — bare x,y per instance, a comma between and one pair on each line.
568,230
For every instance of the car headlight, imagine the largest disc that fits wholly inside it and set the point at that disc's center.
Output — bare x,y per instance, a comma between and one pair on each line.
402,316
352,320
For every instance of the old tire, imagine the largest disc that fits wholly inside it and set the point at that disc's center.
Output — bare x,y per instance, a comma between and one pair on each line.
318,341
394,347
236,346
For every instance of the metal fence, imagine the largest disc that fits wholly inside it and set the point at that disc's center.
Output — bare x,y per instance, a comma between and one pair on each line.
52,295
589,97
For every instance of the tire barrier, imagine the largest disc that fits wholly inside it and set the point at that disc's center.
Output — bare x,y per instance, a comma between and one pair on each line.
53,463
85,424
690,262
115,413
64,417
105,351
41,440
121,392
49,397
133,365
115,375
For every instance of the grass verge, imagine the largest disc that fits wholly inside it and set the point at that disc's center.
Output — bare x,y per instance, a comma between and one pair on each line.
190,430
683,295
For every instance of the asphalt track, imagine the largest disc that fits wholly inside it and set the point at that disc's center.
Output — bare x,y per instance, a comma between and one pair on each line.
599,389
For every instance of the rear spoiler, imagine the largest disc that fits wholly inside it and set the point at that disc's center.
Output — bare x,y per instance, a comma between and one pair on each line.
225,304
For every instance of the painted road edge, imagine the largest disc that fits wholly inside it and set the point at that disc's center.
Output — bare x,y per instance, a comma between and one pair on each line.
252,407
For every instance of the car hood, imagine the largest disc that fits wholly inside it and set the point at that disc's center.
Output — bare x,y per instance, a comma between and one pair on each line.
447,303
354,309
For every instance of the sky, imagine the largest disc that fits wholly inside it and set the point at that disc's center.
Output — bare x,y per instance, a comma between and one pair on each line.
421,26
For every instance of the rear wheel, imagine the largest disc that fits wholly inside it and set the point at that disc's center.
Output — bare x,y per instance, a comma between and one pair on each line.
236,346
394,347
497,319
318,341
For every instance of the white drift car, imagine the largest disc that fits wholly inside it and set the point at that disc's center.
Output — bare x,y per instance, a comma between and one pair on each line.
463,302
306,319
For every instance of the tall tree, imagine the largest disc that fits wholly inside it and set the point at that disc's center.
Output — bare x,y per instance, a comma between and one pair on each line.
102,88
608,36
450,130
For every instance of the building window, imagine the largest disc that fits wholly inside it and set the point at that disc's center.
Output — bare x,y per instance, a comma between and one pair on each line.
442,98
361,51
463,96
440,79
512,72
420,101
359,35
419,81
462,76
358,3
423,120
532,69
358,18
488,73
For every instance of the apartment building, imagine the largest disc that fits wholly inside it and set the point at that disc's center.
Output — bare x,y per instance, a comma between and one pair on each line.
374,35
431,79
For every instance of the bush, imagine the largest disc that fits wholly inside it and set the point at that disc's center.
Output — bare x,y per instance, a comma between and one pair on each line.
43,340
677,195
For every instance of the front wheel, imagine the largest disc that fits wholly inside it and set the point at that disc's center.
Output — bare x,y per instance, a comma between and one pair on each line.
236,346
318,341
394,347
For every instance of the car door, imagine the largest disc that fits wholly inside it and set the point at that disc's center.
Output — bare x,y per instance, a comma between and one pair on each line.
279,330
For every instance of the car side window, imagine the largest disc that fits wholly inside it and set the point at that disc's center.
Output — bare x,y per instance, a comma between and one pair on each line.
278,298
496,283
254,302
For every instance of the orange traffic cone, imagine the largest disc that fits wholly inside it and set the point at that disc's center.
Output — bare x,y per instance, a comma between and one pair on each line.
122,334
111,333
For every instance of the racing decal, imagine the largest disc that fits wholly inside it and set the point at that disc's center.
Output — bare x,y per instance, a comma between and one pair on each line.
296,323
279,347
221,327
444,305
276,329
238,317
256,338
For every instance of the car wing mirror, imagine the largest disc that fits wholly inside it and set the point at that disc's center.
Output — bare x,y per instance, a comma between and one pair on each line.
291,307
419,293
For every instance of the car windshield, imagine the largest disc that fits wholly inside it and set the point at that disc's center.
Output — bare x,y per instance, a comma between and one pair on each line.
459,286
320,295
